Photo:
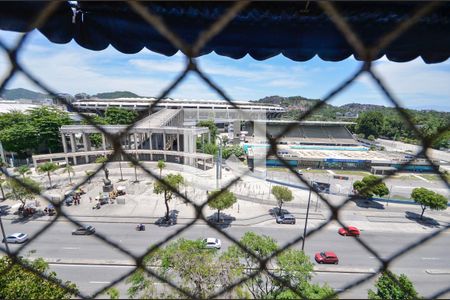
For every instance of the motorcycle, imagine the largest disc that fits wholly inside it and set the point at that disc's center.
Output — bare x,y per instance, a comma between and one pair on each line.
140,227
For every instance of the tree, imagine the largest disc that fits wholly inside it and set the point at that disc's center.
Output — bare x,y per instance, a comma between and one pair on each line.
291,266
47,121
368,187
166,186
282,194
132,164
197,270
212,128
48,167
22,193
102,160
88,174
23,170
430,199
19,138
370,123
388,288
69,169
17,282
221,201
210,148
119,116
161,166
236,150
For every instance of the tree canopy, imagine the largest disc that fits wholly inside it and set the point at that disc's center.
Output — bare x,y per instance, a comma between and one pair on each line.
120,116
430,199
370,123
170,182
282,194
388,288
212,128
368,187
221,201
20,283
237,150
48,167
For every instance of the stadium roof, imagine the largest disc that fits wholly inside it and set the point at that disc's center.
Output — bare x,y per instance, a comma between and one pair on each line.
298,30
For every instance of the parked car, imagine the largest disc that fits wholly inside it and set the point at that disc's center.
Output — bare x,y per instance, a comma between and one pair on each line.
349,231
212,243
286,219
84,230
326,257
16,238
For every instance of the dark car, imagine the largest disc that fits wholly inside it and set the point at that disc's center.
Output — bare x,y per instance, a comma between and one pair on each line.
286,219
326,257
84,230
349,231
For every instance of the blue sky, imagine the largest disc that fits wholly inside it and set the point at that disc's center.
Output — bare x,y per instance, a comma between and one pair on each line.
73,69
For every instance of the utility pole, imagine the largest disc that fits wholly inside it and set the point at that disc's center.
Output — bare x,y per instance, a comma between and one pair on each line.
219,163
306,220
3,233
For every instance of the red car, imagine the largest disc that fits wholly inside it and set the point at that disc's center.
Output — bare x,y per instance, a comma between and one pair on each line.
350,231
327,257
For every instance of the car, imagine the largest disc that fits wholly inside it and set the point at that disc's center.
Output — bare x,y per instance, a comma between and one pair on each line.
16,238
326,257
299,172
212,243
285,219
84,230
349,231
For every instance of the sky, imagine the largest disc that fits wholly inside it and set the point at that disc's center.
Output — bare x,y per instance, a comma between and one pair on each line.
72,69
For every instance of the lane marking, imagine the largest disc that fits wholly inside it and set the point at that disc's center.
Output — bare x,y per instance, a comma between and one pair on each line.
430,258
421,178
71,248
100,282
90,266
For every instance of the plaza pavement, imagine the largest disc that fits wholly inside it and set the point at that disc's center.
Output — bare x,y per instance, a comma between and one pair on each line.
254,206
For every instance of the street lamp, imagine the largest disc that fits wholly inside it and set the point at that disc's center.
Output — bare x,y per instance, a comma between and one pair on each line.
219,162
306,220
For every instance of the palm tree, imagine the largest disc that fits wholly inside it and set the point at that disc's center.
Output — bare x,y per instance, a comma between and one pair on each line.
131,164
171,181
161,166
48,167
69,169
22,170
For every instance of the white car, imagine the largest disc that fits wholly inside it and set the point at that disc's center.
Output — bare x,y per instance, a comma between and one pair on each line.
16,238
212,243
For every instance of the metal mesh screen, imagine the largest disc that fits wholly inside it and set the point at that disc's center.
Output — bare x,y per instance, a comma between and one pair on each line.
368,53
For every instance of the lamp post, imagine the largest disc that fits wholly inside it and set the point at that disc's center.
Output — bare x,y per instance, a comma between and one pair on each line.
306,220
3,233
219,163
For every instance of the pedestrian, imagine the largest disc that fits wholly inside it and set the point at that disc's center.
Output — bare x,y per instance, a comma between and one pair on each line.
90,199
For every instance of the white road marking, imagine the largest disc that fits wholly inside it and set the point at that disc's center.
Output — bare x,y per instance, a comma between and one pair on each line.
421,178
100,282
90,266
71,248
331,172
430,258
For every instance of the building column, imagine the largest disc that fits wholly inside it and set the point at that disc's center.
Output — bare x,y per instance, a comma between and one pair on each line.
64,143
135,141
178,142
73,145
86,146
164,146
150,145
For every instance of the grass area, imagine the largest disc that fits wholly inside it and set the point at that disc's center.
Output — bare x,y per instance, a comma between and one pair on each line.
349,172
404,177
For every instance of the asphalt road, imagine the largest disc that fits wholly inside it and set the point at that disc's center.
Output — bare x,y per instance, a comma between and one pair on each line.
58,243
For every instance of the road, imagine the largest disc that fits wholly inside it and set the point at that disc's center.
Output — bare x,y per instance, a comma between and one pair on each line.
58,243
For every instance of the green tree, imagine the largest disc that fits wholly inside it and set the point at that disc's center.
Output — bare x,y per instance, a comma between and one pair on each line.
282,194
48,167
388,289
23,170
70,171
17,282
291,266
47,121
102,160
212,128
170,182
198,270
119,116
221,201
430,199
370,123
368,187
20,138
210,148
96,138
161,166
236,150
21,193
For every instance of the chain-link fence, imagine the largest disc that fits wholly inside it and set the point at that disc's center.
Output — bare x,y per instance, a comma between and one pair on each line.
367,53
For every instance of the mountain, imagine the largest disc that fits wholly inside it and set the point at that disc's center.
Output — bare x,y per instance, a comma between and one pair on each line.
16,94
116,94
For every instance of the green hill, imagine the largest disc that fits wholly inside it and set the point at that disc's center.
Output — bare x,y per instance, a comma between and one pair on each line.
116,94
15,94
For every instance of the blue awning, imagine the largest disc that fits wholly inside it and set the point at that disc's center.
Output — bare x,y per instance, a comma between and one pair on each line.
262,30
